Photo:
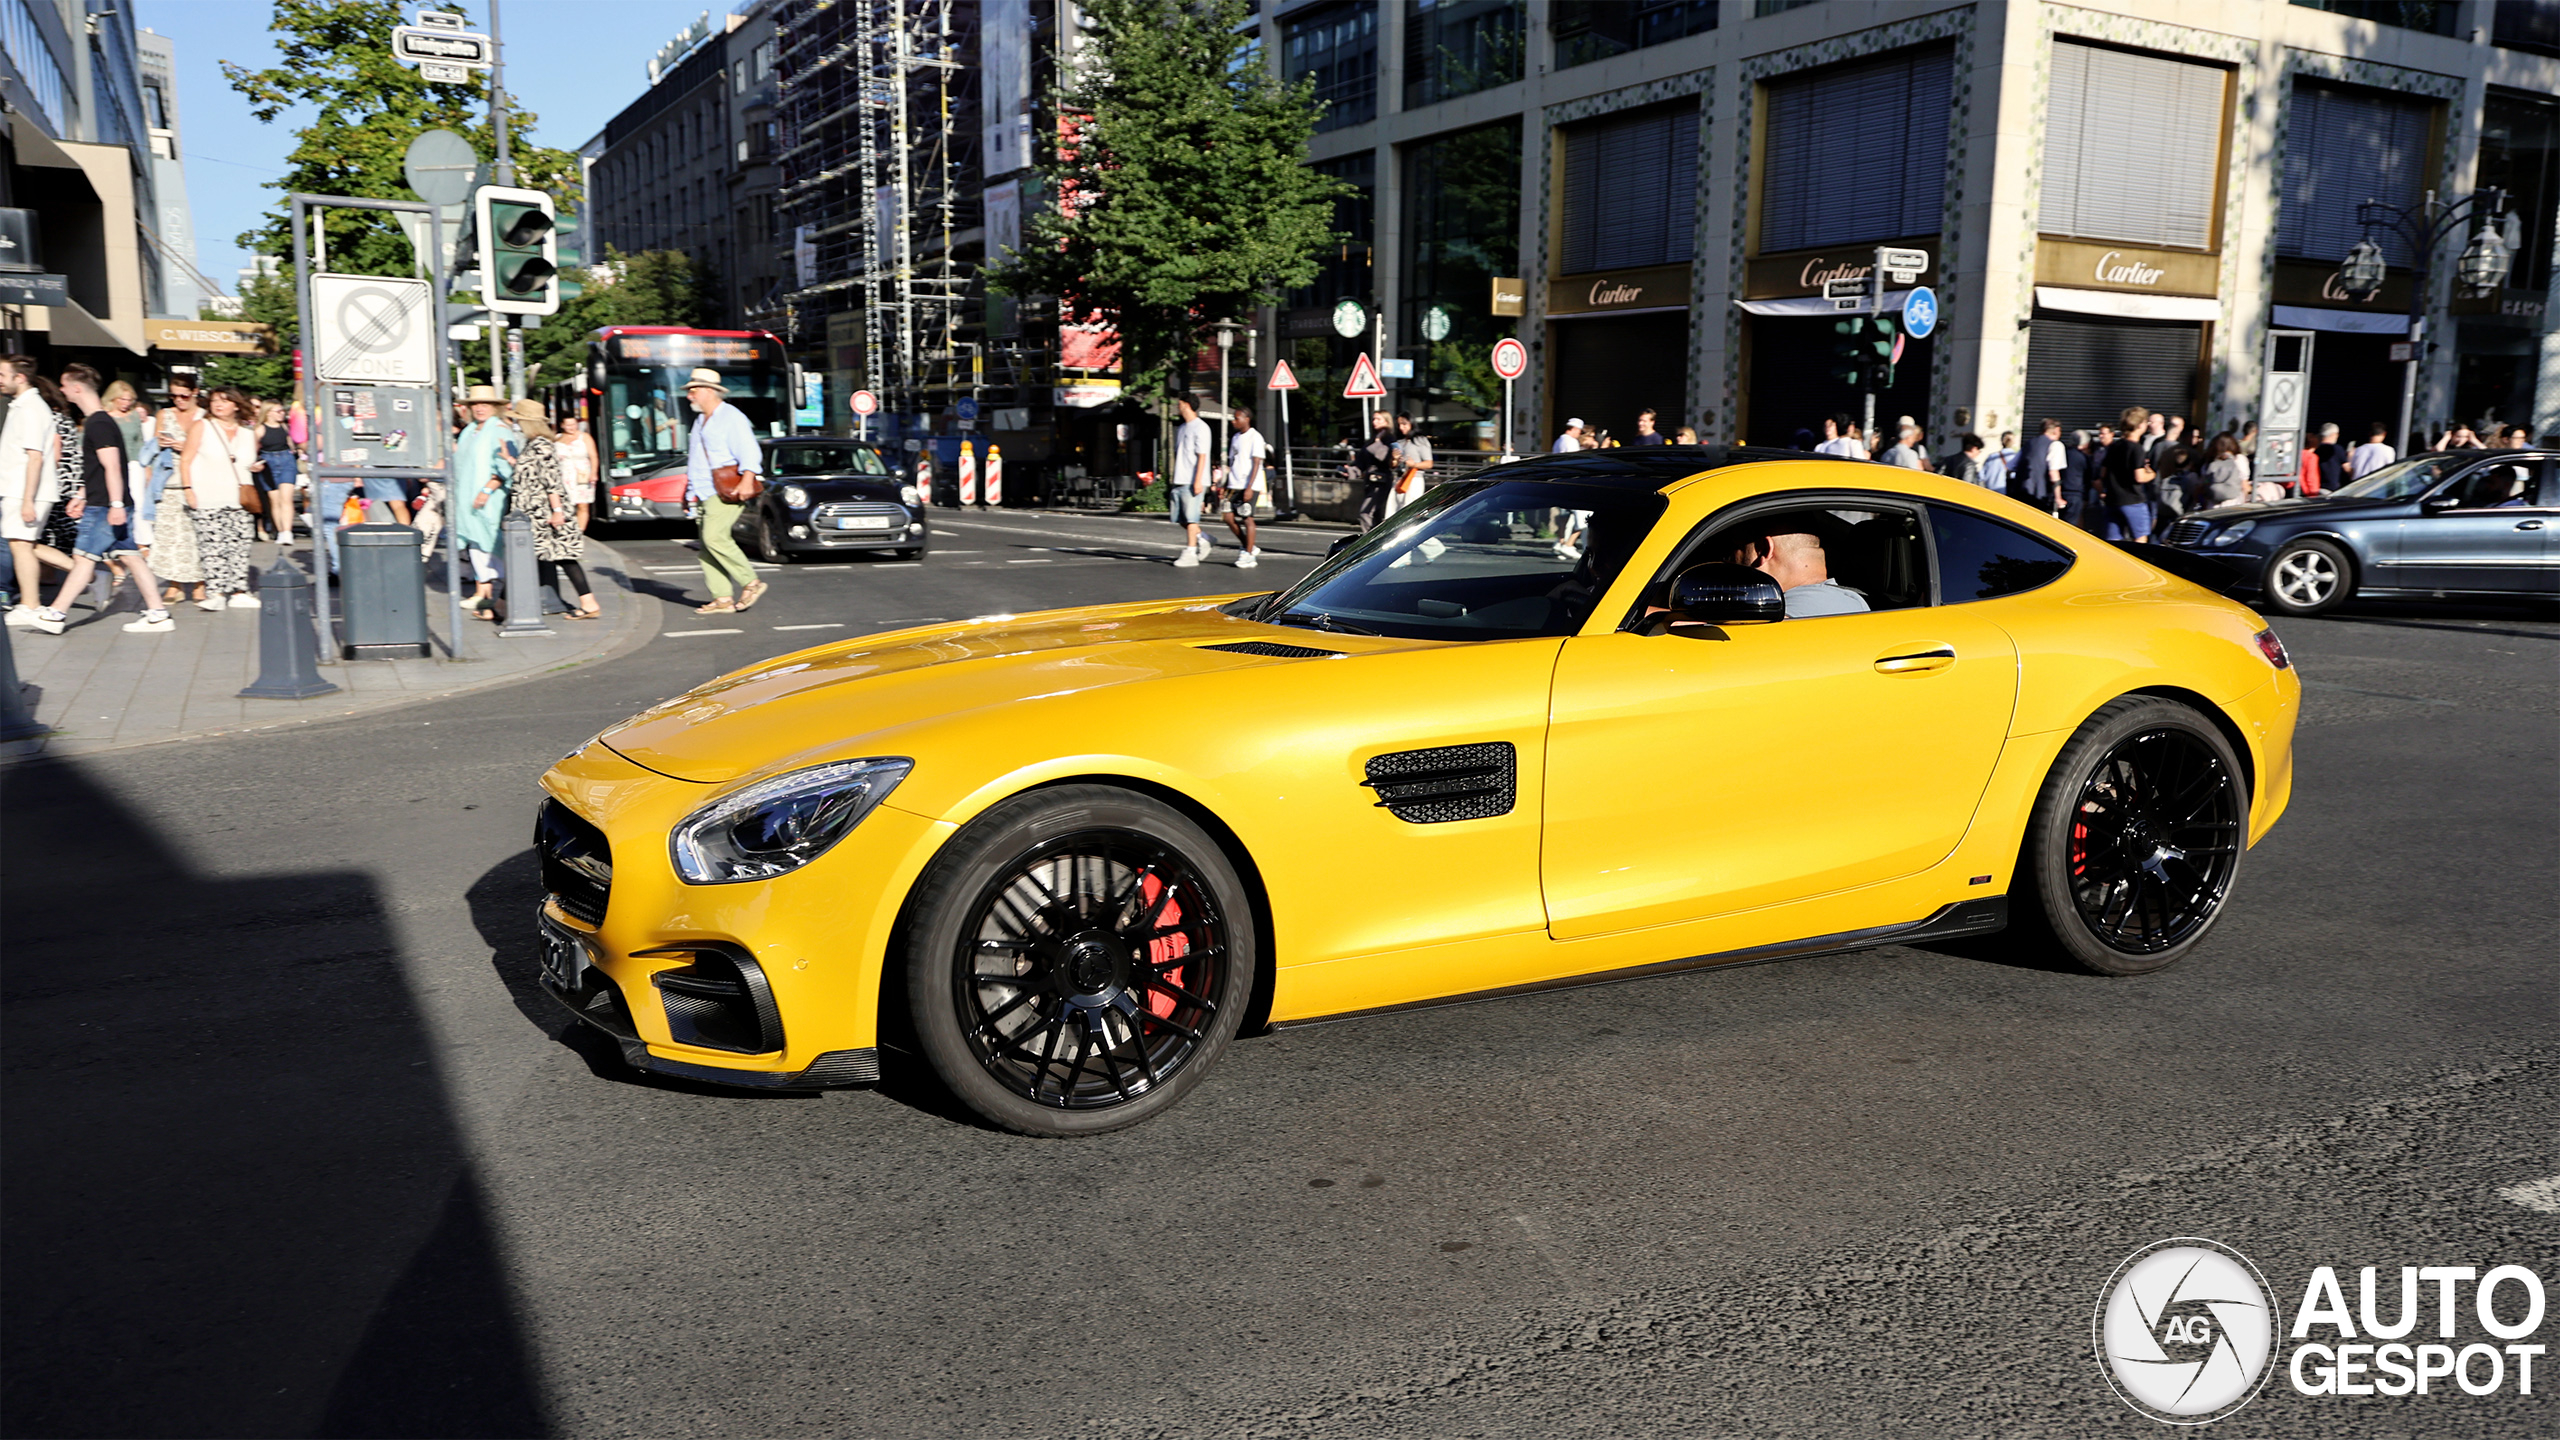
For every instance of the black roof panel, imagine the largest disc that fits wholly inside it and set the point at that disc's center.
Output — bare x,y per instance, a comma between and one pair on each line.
1647,467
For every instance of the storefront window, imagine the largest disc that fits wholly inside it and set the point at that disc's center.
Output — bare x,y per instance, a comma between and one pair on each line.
2520,154
1462,229
1588,30
1336,46
2436,17
2343,147
2532,26
1856,153
1458,47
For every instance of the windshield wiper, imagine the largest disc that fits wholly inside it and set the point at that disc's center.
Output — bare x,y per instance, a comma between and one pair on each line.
1318,620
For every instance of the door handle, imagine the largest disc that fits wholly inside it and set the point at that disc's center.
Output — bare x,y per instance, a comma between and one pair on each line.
1917,662
2528,524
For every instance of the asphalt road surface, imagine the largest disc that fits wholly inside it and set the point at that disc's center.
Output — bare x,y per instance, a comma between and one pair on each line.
293,1145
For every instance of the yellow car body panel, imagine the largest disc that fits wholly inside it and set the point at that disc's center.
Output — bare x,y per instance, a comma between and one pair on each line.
1676,797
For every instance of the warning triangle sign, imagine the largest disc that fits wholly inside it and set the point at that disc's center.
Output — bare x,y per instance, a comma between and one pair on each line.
1364,381
1282,377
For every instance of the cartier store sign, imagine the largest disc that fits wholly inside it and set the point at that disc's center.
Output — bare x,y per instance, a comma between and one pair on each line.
2315,282
2087,265
1804,272
1655,287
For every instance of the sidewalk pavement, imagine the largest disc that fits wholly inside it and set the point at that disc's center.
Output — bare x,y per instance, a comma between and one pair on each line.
100,688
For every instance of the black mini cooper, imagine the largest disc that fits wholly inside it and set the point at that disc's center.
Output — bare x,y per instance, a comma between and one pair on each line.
823,496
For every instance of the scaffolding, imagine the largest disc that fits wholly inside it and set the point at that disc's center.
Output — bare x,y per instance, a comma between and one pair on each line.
879,109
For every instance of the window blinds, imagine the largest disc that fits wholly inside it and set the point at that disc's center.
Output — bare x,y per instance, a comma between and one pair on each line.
2342,148
1858,153
1630,191
2132,146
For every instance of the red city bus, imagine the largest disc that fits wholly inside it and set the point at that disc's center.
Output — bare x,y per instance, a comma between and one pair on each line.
635,394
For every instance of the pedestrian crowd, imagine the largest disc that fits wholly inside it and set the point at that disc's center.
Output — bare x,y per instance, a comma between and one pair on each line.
175,501
1230,481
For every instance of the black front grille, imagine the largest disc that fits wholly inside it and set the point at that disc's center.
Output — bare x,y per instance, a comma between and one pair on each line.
2188,532
577,862
1275,650
720,1002
1453,782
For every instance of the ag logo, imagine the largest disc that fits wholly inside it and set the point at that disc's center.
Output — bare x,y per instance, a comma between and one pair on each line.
2184,1330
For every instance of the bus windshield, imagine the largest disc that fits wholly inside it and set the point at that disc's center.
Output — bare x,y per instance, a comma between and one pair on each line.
643,384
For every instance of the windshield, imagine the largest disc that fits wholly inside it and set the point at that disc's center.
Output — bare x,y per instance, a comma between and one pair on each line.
1491,560
2411,477
825,460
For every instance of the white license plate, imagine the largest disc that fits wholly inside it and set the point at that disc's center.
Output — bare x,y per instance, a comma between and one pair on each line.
863,522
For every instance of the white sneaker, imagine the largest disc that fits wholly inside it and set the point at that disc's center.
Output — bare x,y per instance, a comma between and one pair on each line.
245,600
209,603
151,623
49,621
1245,560
22,617
1187,560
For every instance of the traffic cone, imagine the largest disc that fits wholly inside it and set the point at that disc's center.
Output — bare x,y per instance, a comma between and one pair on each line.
968,476
924,478
995,477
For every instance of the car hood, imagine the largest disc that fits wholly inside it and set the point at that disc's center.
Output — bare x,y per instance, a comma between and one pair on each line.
2300,505
812,705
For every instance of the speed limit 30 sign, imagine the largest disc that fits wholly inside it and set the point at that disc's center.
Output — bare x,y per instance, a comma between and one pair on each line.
1510,358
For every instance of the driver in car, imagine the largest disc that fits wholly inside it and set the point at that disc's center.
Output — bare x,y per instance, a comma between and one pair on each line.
1796,561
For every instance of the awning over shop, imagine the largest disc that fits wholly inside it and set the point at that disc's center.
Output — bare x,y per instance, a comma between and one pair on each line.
2126,306
1814,305
2347,322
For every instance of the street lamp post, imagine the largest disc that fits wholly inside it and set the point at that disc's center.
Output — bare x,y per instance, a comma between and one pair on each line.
2481,270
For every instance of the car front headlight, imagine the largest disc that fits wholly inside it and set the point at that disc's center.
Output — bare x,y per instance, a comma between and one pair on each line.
2233,535
907,494
780,824
795,497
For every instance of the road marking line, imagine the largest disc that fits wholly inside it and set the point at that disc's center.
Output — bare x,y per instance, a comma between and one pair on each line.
1042,561
829,625
680,634
2541,1195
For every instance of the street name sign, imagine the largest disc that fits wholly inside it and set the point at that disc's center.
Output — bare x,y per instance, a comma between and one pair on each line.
1916,261
443,74
370,327
1364,384
1510,358
1844,289
1282,377
419,44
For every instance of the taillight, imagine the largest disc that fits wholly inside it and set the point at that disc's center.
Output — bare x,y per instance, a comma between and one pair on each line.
2273,649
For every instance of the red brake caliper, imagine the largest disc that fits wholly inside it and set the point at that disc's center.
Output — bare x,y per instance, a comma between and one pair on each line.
1162,949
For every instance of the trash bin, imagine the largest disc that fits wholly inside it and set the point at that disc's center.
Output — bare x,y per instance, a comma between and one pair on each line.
383,592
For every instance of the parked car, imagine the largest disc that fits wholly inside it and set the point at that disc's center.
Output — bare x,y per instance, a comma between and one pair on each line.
1066,858
822,496
2476,523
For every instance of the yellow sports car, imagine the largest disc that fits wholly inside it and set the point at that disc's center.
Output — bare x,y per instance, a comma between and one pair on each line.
1579,719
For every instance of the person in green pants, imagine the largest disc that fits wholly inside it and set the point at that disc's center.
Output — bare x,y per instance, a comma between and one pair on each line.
722,435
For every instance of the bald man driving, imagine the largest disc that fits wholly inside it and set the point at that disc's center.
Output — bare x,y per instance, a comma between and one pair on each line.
1797,563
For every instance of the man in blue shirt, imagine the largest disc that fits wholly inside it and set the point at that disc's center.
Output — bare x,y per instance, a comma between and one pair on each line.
722,435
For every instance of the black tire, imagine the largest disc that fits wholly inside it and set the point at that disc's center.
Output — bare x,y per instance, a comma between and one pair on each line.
768,542
2308,577
911,553
2135,841
1055,884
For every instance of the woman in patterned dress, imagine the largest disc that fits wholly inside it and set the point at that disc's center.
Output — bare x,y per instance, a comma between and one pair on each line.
219,452
174,557
542,496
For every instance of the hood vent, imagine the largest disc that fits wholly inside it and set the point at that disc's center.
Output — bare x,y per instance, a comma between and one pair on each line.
1275,650
1453,782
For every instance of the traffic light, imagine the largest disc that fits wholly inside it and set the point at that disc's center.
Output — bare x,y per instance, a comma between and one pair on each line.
1849,351
1879,352
517,249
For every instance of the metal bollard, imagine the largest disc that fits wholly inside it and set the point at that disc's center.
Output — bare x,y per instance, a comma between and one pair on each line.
17,722
523,579
288,647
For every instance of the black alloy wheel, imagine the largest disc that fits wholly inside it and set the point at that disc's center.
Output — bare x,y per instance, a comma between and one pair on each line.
1080,957
2308,577
2136,838
769,540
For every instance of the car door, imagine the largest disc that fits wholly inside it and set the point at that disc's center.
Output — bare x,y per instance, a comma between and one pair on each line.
1697,775
2489,529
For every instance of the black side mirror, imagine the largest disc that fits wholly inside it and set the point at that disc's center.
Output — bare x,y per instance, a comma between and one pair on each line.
1721,593
2441,501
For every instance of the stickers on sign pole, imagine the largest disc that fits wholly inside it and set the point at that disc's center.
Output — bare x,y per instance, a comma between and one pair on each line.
1920,313
1510,358
865,403
1364,384
1282,377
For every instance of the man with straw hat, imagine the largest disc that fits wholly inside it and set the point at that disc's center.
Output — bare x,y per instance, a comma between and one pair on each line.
723,438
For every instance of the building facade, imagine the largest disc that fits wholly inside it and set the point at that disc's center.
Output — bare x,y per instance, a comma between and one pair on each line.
689,166
78,189
2118,205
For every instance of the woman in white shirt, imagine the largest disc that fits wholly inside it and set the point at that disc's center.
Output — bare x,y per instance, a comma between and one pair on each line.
577,451
214,463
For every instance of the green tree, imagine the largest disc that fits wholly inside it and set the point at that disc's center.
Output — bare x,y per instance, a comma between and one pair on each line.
336,59
654,287
267,300
1178,194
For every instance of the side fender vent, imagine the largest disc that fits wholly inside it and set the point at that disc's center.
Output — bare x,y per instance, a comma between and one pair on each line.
1453,782
1275,650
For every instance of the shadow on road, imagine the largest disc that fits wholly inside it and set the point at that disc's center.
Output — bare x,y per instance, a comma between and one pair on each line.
238,1203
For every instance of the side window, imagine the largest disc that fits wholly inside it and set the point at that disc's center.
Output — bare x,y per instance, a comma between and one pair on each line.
2493,486
1981,559
1871,550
